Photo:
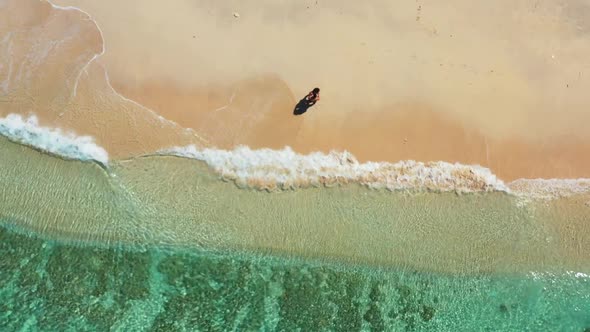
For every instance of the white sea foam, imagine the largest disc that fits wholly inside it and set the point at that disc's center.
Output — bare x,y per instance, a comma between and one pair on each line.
548,189
53,140
284,169
267,169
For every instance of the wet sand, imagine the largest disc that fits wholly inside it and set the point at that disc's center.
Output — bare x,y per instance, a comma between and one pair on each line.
399,81
49,59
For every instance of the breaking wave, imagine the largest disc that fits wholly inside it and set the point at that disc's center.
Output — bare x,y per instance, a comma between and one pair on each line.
276,170
272,170
68,145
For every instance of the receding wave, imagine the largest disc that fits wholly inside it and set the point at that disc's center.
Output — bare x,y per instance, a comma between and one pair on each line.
53,140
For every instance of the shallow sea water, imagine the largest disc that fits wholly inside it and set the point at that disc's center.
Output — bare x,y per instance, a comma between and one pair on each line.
54,286
161,244
178,201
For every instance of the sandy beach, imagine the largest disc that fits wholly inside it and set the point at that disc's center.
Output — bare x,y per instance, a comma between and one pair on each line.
154,175
399,81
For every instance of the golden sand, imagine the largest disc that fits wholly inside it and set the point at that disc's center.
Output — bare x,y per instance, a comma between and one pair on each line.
50,71
501,85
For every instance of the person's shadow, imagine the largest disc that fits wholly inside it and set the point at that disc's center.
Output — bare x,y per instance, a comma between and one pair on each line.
303,106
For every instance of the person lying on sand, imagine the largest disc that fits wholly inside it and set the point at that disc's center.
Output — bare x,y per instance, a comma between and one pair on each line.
307,102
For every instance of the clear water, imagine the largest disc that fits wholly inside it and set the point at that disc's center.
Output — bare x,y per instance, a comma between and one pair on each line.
177,201
55,286
130,249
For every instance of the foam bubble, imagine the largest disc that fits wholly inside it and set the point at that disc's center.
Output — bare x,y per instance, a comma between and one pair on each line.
272,170
53,140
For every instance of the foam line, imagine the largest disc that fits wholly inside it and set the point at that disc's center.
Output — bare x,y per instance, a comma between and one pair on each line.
548,189
96,56
271,170
53,140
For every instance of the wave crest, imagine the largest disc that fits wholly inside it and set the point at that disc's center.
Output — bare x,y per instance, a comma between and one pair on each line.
272,170
53,140
275,170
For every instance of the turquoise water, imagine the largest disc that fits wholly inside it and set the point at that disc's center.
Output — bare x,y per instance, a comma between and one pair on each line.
49,285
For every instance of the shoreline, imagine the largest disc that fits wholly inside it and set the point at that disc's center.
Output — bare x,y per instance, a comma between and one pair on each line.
140,203
285,170
134,116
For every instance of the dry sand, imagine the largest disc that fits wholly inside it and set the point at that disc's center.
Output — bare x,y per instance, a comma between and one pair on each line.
500,84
